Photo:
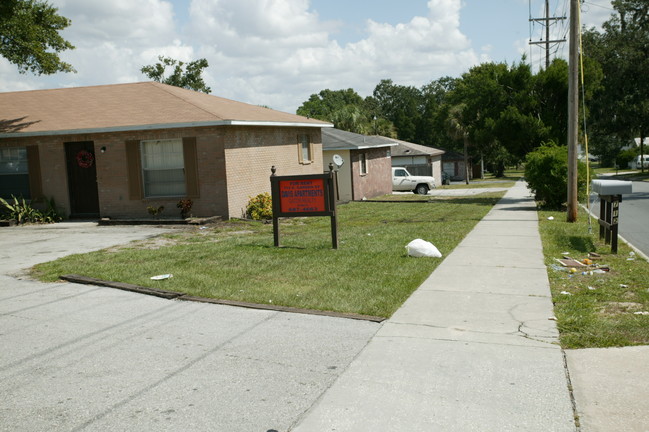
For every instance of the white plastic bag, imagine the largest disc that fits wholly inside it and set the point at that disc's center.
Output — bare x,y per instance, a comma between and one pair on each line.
421,248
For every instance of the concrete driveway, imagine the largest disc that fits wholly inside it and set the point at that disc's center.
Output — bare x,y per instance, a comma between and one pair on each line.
84,358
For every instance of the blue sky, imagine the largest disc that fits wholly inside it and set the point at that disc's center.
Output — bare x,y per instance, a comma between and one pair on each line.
279,52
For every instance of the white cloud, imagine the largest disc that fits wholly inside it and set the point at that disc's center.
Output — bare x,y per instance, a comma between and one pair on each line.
123,22
271,52
259,28
279,53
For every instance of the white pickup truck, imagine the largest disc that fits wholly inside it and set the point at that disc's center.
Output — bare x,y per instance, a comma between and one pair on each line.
403,181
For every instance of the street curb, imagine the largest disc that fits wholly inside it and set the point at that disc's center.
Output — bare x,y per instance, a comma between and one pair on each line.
173,295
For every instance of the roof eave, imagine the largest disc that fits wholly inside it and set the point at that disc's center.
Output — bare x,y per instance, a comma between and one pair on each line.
353,147
131,128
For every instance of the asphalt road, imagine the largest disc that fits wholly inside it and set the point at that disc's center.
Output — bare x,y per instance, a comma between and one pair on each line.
85,358
634,217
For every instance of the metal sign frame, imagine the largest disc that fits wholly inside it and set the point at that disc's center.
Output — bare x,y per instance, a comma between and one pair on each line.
304,196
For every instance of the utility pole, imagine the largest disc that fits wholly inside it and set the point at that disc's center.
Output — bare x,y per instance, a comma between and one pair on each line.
547,22
573,109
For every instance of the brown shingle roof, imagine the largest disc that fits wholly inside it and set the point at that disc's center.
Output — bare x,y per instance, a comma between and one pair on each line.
411,149
145,105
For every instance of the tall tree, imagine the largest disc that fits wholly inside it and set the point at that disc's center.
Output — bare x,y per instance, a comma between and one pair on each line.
621,108
456,126
348,111
323,105
402,105
29,36
189,77
431,129
501,113
551,91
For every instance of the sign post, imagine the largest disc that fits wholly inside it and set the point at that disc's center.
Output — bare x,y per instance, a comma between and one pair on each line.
304,195
609,212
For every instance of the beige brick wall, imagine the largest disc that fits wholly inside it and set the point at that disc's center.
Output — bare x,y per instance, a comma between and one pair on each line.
247,152
251,152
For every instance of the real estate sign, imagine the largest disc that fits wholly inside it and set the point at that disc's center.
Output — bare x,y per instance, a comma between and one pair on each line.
304,195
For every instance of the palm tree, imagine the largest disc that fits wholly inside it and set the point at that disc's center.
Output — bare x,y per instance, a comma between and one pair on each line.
457,129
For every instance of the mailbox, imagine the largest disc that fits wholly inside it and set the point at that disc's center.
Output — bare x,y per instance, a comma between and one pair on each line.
610,194
611,187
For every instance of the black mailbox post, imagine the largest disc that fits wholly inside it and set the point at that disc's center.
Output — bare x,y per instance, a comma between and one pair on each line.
610,194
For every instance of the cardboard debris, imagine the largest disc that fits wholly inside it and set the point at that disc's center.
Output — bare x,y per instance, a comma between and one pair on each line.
569,262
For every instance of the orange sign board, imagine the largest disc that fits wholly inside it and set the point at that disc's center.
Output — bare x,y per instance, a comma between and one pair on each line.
302,195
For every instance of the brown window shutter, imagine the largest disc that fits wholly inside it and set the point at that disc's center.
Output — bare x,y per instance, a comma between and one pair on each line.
34,168
191,167
134,171
300,150
300,158
311,152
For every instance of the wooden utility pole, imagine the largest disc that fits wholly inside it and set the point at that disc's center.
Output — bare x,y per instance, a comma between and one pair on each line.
547,20
573,110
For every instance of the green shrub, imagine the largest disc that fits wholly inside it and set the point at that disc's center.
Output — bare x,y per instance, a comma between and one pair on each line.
546,172
22,212
260,207
155,211
626,156
50,214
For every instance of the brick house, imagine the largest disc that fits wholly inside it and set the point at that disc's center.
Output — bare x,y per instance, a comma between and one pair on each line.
112,151
366,171
418,159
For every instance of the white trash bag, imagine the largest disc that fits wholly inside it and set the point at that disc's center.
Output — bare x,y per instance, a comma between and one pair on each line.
421,248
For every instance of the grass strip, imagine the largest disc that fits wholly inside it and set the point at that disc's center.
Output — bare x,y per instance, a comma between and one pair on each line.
595,310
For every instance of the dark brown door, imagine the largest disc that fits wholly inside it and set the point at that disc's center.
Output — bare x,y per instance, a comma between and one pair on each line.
82,179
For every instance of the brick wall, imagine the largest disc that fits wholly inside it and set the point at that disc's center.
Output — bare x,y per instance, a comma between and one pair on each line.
378,180
52,166
233,163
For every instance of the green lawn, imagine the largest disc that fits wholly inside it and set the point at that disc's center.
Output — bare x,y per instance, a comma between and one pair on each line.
595,310
483,183
512,174
370,273
636,175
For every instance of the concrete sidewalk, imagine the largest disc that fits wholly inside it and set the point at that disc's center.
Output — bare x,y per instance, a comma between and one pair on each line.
473,349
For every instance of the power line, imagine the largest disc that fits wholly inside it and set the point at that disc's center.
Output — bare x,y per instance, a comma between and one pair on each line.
546,22
597,5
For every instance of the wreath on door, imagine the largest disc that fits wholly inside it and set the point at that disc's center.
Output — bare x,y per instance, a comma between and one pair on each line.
85,159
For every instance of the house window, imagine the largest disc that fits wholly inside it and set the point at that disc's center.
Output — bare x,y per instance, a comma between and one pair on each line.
363,163
163,168
14,172
304,150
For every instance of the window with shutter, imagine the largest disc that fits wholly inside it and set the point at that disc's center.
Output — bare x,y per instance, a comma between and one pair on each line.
14,173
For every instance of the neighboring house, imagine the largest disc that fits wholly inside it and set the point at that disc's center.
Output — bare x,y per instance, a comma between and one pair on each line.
635,143
418,159
113,150
453,165
366,171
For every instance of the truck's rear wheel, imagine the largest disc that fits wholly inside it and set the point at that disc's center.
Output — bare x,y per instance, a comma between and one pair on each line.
421,189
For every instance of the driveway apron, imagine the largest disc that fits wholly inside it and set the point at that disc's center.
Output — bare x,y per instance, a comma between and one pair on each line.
84,358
